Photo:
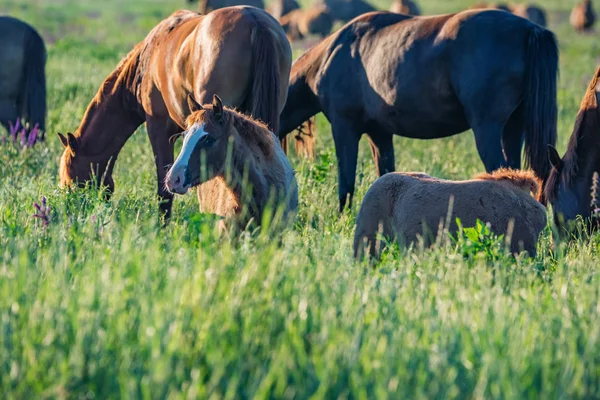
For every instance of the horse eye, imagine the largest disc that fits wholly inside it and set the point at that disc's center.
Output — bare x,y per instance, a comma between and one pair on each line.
207,140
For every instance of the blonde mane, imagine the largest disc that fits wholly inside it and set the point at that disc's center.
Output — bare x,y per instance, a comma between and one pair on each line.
523,179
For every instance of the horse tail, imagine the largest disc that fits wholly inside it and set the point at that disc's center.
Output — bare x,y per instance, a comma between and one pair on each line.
540,100
34,104
266,85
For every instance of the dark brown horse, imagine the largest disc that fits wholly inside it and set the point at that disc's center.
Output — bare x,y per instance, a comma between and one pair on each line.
569,186
345,10
239,52
22,76
431,77
206,6
583,16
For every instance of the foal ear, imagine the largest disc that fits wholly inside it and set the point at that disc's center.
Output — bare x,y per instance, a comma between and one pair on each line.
73,145
193,105
63,139
218,107
554,158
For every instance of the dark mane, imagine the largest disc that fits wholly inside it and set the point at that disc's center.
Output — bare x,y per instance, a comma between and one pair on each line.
586,122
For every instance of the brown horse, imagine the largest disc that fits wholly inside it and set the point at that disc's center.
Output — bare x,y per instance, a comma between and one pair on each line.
583,16
569,186
407,7
431,77
259,171
279,8
409,206
533,13
491,6
206,6
22,76
345,10
300,23
240,52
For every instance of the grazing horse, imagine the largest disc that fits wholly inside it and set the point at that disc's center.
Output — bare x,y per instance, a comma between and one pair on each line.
583,16
22,76
240,52
345,10
258,172
206,6
431,77
569,186
533,13
407,7
492,6
300,23
279,8
406,206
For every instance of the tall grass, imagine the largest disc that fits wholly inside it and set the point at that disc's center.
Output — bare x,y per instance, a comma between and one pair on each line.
103,302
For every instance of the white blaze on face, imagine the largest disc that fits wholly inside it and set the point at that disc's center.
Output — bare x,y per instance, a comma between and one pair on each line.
192,136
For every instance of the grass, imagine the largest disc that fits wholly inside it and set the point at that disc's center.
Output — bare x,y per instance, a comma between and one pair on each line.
104,303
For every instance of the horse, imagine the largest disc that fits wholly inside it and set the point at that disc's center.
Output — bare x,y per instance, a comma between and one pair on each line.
407,7
22,75
300,23
206,6
240,52
491,6
430,77
258,172
345,10
569,185
583,16
279,8
533,13
407,207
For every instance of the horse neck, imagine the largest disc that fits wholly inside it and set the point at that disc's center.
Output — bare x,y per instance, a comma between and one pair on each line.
108,123
302,101
246,170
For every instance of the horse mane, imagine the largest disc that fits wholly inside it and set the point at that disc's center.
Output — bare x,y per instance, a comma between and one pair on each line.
522,179
587,120
248,128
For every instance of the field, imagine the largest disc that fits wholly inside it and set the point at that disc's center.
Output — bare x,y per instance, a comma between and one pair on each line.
105,303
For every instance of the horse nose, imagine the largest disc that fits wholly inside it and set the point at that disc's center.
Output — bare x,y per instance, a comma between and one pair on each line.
175,181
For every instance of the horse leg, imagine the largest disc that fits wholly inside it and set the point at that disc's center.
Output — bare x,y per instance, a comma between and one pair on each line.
160,130
512,139
488,139
382,150
346,138
8,112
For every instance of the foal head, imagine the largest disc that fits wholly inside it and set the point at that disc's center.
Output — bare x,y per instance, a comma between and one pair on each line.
205,139
76,167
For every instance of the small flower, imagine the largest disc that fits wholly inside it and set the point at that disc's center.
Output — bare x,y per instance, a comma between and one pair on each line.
42,212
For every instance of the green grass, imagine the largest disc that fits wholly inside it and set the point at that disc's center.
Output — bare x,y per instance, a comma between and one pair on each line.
105,303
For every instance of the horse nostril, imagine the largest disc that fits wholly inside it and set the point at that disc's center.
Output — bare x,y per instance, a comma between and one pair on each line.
177,180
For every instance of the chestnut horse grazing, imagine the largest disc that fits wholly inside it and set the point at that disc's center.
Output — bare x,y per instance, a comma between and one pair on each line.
431,77
409,206
240,52
583,16
407,7
533,13
257,175
569,186
22,76
300,23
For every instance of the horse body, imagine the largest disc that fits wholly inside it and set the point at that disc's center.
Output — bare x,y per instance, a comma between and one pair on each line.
240,52
407,7
583,16
206,6
569,186
430,77
409,206
245,168
22,75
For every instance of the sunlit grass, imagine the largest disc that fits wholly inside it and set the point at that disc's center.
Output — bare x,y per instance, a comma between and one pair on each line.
104,302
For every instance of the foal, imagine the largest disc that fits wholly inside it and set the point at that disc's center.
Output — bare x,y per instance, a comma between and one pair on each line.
236,162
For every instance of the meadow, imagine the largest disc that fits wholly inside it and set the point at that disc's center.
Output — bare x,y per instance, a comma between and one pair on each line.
103,302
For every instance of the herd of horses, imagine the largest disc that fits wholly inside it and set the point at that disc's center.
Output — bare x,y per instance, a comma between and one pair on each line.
225,82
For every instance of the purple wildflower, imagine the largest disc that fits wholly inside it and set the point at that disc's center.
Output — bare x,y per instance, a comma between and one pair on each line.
14,129
43,212
33,134
21,135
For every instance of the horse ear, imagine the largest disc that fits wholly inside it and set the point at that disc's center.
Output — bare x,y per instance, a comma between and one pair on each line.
63,139
554,158
193,105
218,107
73,144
